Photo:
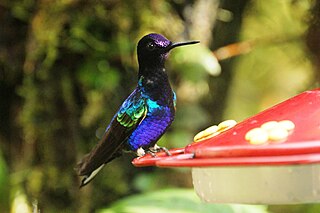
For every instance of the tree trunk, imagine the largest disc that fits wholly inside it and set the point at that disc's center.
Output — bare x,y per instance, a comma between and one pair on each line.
225,32
313,39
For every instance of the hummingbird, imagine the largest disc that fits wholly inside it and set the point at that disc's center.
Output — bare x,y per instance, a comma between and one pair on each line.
144,116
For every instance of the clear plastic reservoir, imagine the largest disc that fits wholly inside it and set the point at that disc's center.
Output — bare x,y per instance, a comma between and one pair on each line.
291,184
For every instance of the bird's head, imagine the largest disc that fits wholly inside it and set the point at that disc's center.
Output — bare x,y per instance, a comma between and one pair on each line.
153,49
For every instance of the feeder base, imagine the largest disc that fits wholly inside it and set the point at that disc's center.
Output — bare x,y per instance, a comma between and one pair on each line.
289,184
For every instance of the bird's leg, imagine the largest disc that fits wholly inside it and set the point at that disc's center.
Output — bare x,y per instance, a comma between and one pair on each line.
165,150
152,151
141,152
157,148
153,154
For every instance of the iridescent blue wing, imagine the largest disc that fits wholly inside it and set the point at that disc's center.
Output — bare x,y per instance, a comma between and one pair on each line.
110,146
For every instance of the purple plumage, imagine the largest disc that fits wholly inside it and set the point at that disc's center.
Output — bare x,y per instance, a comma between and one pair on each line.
144,116
151,128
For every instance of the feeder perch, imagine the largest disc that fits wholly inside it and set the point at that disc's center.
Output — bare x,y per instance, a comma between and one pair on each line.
231,167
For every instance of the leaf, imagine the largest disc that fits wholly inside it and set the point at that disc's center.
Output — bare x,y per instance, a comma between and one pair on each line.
175,201
195,61
4,184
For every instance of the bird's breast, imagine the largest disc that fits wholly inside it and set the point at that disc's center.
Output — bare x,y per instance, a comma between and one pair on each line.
162,106
153,106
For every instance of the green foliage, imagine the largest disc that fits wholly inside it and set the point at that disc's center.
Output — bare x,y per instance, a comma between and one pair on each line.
195,63
175,201
278,67
309,208
4,184
98,75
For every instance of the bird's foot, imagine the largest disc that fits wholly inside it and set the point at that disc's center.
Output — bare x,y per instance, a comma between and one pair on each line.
141,152
153,154
157,148
152,151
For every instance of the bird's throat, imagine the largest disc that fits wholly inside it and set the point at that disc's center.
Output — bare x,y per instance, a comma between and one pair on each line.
155,84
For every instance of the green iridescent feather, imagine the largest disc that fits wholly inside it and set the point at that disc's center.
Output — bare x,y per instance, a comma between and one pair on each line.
131,113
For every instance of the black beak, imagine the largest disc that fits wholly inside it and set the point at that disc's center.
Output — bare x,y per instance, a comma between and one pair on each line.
178,44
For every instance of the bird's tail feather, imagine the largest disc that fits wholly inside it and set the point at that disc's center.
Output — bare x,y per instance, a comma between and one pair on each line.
101,154
89,177
107,149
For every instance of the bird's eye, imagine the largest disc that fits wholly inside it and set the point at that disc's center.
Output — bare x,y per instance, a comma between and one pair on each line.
151,46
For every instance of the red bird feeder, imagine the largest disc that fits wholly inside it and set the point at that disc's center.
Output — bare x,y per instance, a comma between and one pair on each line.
270,158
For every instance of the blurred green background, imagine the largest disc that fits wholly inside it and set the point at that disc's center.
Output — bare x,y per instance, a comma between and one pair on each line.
67,65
